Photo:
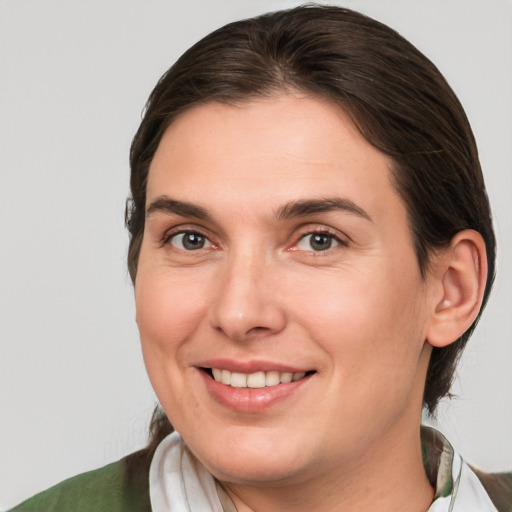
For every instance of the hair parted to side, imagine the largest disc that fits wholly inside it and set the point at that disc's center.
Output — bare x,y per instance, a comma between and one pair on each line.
395,96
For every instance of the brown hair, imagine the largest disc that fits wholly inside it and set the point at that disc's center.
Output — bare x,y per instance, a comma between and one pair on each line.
396,97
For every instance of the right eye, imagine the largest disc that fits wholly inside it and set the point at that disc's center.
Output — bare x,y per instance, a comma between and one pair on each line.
189,241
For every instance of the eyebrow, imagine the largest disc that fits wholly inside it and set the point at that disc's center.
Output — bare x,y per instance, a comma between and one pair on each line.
167,205
313,206
293,209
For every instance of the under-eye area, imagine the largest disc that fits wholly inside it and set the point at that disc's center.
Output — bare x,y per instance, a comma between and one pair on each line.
259,379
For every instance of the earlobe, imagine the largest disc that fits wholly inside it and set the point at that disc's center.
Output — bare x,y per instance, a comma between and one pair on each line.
462,273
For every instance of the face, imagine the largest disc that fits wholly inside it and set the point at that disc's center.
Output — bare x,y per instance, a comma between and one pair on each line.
279,300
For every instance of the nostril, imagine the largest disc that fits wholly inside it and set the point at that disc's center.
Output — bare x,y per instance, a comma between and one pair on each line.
257,330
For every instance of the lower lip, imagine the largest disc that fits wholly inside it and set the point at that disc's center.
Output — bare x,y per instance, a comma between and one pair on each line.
251,400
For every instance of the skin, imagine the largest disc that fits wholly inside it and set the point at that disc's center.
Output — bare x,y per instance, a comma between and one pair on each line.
258,293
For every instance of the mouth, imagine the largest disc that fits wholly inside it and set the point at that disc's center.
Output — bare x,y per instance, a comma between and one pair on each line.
256,380
253,387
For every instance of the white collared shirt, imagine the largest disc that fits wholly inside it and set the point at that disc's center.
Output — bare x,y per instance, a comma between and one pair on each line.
178,482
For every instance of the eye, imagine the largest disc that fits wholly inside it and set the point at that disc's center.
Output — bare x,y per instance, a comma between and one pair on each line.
317,242
189,241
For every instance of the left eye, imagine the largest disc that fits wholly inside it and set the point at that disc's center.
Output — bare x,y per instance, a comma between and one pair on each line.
189,241
317,242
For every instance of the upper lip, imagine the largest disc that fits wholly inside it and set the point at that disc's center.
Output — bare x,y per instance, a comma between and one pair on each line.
249,367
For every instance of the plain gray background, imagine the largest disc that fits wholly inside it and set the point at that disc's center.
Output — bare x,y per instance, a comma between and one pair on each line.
74,78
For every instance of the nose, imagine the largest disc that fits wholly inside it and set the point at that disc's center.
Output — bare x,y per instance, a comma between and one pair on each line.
247,303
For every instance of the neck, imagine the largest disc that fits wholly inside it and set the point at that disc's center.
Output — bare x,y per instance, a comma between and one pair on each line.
388,477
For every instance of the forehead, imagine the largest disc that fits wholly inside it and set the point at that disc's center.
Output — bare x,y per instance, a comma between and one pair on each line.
267,152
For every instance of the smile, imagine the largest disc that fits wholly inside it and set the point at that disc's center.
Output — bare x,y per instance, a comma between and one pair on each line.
252,387
255,380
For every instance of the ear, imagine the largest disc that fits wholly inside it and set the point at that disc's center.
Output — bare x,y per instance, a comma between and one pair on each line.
461,272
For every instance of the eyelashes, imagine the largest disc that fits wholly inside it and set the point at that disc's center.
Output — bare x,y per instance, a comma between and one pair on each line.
317,240
188,241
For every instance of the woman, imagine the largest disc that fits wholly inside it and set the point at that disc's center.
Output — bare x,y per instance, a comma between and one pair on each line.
311,247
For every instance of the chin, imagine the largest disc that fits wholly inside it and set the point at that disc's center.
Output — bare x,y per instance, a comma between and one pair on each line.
256,471
252,459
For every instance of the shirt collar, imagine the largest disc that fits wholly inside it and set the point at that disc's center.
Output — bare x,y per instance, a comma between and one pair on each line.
179,482
457,488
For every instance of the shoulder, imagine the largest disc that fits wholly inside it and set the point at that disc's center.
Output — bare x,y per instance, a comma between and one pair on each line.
122,486
499,488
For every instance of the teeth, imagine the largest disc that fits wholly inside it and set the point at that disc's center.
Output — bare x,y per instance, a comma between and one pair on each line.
255,380
238,380
225,377
272,379
286,377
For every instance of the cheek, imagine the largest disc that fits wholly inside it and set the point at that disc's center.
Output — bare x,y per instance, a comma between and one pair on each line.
168,312
367,321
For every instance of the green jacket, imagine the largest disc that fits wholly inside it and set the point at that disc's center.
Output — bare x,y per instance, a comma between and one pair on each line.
123,486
